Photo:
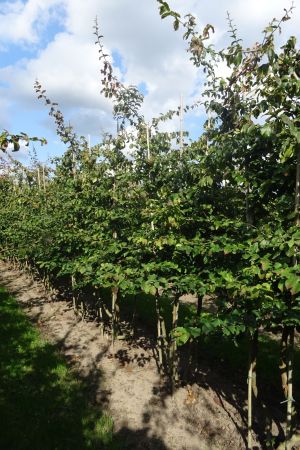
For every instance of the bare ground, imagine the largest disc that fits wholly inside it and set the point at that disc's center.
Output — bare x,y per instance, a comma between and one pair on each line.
125,381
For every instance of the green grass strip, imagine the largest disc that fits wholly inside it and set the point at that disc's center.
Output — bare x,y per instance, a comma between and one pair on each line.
42,404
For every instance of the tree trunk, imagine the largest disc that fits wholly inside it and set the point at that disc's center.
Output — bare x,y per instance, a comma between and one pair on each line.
161,335
199,305
101,319
159,342
252,385
74,296
289,334
133,322
173,355
115,308
290,412
286,372
283,359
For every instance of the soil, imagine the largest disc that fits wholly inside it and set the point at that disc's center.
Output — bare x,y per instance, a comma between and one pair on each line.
125,381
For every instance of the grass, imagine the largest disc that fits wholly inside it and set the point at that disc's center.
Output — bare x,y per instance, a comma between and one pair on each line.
43,405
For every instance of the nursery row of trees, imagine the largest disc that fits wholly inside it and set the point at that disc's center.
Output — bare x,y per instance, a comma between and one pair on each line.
219,217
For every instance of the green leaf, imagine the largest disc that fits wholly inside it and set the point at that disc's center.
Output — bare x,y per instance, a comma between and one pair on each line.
176,24
263,69
266,130
293,284
181,335
287,153
238,58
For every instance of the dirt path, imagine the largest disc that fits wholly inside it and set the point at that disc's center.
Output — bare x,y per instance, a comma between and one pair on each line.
125,381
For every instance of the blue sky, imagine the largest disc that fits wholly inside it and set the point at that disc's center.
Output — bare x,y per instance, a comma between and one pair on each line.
53,41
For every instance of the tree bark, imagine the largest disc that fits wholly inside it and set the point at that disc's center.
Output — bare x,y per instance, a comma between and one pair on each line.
173,344
115,308
252,384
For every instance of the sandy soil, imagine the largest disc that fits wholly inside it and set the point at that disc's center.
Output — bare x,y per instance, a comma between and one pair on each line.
125,381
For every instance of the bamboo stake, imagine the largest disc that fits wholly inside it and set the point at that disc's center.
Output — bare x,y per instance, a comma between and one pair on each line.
254,348
287,341
115,312
160,357
39,177
282,362
173,345
291,412
148,142
252,386
297,194
181,126
89,144
163,335
249,440
101,319
134,316
114,306
148,157
44,181
73,294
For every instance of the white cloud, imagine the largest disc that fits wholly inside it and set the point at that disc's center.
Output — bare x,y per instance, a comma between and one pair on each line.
22,22
250,17
67,68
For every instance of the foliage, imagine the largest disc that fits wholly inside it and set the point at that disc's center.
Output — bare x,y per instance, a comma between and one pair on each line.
219,220
7,138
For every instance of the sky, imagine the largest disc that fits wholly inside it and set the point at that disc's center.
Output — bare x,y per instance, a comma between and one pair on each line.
53,41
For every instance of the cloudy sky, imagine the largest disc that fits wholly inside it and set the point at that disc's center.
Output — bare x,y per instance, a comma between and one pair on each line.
52,41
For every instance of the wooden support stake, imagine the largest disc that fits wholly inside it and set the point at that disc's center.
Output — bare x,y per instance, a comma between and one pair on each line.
44,180
148,142
39,177
115,313
173,356
181,126
159,337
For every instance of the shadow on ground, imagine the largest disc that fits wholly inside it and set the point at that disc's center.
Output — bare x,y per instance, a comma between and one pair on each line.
42,405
